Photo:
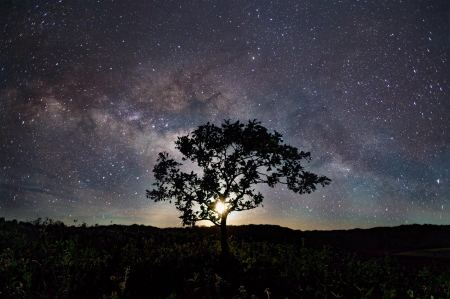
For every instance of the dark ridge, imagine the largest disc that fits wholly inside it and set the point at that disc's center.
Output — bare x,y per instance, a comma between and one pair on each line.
391,239
379,239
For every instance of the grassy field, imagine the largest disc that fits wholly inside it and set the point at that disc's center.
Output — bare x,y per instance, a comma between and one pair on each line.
47,259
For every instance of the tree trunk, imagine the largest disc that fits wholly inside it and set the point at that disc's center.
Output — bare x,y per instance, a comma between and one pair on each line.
223,235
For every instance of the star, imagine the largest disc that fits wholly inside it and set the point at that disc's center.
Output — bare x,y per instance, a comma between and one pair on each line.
92,92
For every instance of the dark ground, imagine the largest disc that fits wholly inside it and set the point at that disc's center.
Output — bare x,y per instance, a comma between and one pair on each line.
413,244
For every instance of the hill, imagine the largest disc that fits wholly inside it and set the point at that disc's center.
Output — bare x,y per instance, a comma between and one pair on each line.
378,240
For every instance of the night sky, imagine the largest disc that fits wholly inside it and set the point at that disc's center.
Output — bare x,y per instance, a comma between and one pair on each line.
91,91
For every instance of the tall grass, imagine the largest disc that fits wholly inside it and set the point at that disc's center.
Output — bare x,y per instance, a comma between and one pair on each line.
46,259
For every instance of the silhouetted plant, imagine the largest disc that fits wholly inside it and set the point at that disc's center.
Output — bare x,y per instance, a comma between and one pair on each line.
123,262
232,158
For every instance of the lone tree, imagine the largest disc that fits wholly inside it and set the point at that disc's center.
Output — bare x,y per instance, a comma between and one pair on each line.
232,159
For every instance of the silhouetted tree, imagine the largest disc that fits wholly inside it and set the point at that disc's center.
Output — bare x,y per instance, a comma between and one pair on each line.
232,159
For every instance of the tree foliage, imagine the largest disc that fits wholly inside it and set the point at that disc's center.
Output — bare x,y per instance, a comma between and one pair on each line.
232,159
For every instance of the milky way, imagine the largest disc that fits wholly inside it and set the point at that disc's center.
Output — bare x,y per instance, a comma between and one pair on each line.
91,91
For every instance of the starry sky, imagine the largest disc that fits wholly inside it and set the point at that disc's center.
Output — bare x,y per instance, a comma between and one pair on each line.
91,91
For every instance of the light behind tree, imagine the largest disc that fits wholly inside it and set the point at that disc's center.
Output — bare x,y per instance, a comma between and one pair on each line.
233,158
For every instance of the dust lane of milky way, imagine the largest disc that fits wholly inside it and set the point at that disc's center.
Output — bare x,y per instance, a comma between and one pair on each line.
91,91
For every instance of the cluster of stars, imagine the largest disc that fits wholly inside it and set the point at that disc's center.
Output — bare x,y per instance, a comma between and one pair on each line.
90,93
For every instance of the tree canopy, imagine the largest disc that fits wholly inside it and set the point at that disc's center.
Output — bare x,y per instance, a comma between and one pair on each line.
232,159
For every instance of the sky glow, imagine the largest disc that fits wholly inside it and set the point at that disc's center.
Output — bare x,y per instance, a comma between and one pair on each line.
92,91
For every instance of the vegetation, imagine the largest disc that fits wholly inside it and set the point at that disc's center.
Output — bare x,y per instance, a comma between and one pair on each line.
46,259
232,159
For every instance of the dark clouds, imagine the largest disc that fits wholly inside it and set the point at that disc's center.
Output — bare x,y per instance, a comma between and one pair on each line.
91,91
